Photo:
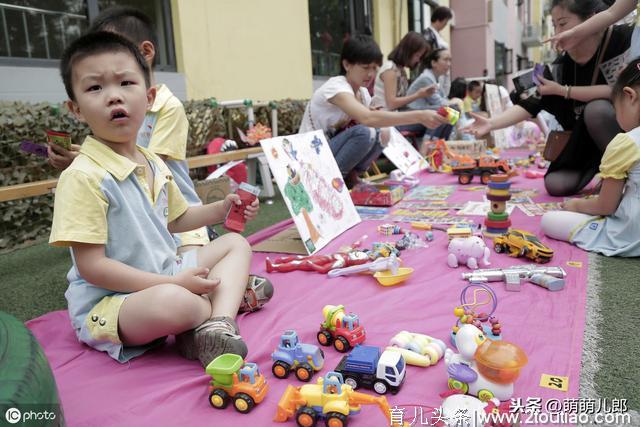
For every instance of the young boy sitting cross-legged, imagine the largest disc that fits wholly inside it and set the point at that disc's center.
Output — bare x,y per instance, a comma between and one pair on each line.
116,206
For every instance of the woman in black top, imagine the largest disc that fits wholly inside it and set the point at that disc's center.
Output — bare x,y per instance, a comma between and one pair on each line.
578,106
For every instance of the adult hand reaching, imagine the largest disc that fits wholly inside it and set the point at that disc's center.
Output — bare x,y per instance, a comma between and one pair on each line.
565,40
427,91
480,127
432,119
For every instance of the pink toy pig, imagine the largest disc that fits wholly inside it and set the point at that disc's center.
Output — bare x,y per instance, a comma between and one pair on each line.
468,250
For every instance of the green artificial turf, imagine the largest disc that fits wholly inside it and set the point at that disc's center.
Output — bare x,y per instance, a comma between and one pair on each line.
34,280
618,376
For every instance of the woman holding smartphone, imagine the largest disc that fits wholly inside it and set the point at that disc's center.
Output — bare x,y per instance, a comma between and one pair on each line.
578,104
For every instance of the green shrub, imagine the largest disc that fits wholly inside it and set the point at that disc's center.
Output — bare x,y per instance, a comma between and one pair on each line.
28,220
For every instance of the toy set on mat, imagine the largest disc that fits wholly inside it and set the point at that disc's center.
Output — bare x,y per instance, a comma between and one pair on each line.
485,367
480,373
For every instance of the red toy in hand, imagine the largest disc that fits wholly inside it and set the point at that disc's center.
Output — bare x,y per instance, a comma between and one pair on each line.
234,221
450,114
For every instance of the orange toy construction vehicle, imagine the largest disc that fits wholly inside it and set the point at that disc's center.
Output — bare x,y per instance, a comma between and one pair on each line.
485,166
232,379
330,399
465,166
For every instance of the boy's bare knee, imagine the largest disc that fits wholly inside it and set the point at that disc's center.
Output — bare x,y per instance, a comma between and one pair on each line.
181,303
238,243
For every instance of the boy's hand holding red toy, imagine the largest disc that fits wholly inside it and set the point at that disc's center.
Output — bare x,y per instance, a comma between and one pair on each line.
241,207
250,212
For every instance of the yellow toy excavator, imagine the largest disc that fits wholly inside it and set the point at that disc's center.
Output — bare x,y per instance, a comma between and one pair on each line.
330,399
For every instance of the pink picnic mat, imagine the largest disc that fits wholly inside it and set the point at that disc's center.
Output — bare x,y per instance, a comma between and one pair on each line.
161,389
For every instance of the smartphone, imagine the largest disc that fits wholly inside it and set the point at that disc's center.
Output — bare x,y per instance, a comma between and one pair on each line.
528,81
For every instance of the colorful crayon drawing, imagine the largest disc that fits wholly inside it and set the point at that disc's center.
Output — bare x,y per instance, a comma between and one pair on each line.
523,192
432,205
310,181
481,208
373,212
431,192
434,217
538,209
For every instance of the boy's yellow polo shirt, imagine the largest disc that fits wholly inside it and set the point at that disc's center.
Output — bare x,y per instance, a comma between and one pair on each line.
164,131
103,198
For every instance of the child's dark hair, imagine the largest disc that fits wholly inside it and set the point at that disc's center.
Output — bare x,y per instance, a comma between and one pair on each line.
360,49
458,88
411,43
128,22
441,13
472,85
94,44
630,76
583,8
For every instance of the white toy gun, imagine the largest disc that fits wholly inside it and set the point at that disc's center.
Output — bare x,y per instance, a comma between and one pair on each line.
381,264
550,278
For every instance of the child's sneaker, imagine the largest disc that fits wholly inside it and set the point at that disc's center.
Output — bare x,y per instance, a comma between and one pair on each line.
259,292
216,336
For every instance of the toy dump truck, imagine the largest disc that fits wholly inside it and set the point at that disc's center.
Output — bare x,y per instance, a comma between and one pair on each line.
330,399
234,380
341,329
366,366
292,355
485,166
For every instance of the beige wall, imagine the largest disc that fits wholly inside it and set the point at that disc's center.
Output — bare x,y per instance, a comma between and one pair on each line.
390,23
239,49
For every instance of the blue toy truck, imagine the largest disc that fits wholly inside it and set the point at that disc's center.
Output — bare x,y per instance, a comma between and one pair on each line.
366,367
292,355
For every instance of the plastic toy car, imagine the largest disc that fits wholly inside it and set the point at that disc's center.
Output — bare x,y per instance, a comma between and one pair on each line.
522,243
292,355
233,380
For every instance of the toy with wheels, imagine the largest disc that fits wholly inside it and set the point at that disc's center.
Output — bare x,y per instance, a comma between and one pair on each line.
341,329
483,368
520,243
292,355
234,380
330,400
468,250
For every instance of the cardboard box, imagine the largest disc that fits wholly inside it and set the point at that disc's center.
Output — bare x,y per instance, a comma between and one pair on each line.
288,241
376,194
212,190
